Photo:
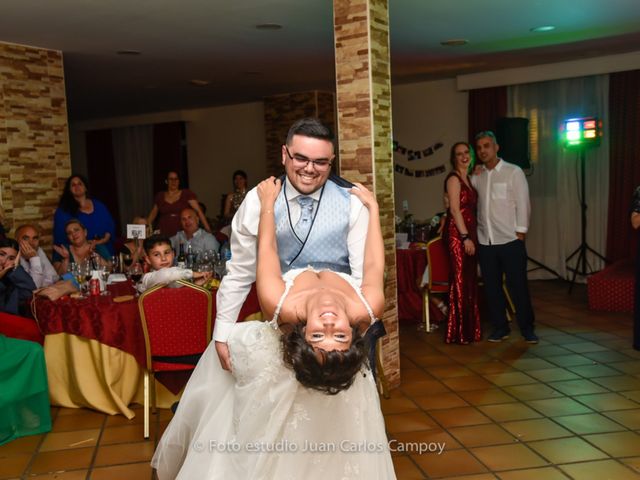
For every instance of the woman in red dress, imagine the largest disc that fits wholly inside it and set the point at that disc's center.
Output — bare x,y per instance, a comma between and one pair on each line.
168,205
463,325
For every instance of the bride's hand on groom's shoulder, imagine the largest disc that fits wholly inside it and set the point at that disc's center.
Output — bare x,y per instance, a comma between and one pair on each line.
268,191
367,197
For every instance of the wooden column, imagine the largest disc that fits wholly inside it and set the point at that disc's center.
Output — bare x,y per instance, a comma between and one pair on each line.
363,92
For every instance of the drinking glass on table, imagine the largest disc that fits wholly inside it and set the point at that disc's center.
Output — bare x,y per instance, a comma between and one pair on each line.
115,263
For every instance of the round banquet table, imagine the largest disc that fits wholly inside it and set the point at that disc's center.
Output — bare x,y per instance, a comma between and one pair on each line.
95,353
410,265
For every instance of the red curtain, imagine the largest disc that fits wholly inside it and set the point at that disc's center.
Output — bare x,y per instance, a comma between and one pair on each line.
169,154
486,106
624,161
102,172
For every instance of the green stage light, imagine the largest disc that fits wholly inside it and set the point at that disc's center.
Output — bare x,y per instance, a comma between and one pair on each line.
581,132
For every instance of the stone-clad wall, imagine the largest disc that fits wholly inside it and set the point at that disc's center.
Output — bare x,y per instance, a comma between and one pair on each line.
34,137
363,82
280,111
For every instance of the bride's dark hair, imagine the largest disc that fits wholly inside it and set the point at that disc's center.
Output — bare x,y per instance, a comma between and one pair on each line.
327,371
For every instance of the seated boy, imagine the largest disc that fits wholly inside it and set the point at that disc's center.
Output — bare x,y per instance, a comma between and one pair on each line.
159,256
16,285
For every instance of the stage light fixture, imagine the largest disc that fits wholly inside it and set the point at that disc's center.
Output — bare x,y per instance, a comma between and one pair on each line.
581,132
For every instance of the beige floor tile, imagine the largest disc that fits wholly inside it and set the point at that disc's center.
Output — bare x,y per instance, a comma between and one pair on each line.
526,364
537,429
69,440
20,445
629,367
487,396
617,444
83,419
72,475
619,383
508,412
633,463
493,366
414,375
125,434
555,407
415,389
571,360
407,470
592,371
137,471
450,463
628,418
124,453
435,436
567,450
604,402
546,473
589,423
548,352
585,347
14,465
508,457
409,422
449,371
459,417
510,378
440,401
481,435
535,391
479,476
400,404
62,460
577,387
464,384
433,360
552,374
600,470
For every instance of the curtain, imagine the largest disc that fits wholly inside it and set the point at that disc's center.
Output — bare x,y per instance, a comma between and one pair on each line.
486,105
102,175
624,173
169,154
133,163
554,184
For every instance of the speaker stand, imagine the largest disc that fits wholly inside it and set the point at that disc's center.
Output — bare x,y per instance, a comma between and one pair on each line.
582,267
540,265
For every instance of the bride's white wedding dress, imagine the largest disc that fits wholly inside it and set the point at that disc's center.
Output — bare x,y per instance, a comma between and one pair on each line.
259,423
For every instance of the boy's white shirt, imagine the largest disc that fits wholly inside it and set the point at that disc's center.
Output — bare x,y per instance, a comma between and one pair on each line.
164,275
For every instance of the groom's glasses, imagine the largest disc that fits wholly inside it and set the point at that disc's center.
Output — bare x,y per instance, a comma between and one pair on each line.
300,161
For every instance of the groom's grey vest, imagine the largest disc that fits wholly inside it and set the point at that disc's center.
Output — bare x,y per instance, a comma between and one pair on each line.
326,244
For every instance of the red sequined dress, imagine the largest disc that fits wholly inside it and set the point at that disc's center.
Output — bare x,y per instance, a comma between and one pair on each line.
463,324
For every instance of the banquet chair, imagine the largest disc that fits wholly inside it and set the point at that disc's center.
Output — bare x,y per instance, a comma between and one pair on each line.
176,322
438,273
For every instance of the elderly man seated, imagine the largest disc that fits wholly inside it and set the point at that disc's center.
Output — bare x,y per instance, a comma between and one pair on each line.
32,257
191,234
16,285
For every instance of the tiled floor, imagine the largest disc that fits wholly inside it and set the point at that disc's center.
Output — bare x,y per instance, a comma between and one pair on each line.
566,408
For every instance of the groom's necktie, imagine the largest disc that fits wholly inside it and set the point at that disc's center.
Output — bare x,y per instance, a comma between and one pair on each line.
306,217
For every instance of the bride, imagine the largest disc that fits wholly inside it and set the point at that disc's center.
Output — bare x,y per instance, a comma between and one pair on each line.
260,421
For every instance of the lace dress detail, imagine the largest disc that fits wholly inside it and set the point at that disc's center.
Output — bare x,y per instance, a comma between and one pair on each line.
290,277
259,423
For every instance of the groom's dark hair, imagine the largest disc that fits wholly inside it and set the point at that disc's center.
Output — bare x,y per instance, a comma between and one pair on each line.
327,371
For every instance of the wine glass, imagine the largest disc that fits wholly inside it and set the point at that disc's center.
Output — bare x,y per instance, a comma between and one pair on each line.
127,260
115,263
135,273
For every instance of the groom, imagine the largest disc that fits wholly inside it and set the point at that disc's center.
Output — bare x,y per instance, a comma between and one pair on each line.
318,223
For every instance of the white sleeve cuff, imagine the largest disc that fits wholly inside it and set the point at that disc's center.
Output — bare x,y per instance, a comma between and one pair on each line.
222,331
522,229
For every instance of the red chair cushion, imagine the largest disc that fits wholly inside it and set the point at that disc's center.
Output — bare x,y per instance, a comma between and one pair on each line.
20,327
612,289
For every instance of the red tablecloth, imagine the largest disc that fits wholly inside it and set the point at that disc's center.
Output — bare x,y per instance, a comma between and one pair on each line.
116,324
410,265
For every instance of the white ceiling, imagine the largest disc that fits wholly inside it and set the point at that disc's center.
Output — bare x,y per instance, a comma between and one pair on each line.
216,41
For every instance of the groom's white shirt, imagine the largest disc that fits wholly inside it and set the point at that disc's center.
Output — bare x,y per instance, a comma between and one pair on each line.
241,270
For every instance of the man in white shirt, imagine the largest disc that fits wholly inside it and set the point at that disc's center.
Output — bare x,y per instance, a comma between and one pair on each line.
307,157
191,234
32,257
503,222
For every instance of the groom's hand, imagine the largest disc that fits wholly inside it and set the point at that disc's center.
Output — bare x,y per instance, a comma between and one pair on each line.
223,355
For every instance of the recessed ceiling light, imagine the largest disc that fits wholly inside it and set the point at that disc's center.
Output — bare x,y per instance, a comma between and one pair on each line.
544,28
454,42
269,26
199,82
128,52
